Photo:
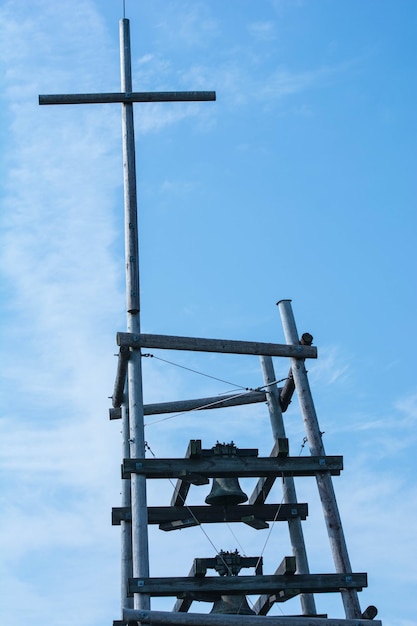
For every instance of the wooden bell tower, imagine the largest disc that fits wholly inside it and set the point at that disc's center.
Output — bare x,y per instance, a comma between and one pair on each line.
223,462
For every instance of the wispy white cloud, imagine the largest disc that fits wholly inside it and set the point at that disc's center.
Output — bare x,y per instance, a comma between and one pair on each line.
262,31
61,251
60,237
330,368
191,22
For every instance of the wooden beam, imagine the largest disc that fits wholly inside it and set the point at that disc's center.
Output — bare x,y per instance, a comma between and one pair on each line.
201,565
324,481
215,467
197,404
197,344
182,487
214,514
287,391
199,569
265,483
307,602
137,556
287,567
121,514
127,98
115,414
119,384
183,604
212,402
166,618
246,585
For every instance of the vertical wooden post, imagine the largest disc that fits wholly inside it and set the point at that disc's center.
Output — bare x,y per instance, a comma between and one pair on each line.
140,547
126,525
324,480
307,601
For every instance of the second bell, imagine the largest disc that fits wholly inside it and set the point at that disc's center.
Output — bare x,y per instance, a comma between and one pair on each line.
226,491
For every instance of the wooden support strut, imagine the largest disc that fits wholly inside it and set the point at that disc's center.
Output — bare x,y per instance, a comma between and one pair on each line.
265,602
287,391
198,404
265,483
119,385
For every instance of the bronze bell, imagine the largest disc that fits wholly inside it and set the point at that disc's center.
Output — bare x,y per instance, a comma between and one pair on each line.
232,605
226,491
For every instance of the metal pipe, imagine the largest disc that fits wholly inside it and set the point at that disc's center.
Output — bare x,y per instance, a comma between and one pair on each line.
324,480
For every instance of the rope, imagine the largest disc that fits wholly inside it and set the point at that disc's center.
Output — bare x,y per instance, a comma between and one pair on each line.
211,404
189,369
198,408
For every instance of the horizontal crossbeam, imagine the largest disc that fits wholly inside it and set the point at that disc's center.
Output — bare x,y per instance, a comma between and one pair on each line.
212,402
165,618
212,467
195,404
247,585
128,98
198,344
214,514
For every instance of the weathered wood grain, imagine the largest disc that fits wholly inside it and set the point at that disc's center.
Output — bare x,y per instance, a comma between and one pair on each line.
216,467
199,344
249,585
159,618
212,402
128,98
215,514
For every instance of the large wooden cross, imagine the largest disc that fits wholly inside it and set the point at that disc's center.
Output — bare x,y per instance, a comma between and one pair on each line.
127,97
135,556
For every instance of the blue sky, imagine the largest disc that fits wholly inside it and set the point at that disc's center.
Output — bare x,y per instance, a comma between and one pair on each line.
298,182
